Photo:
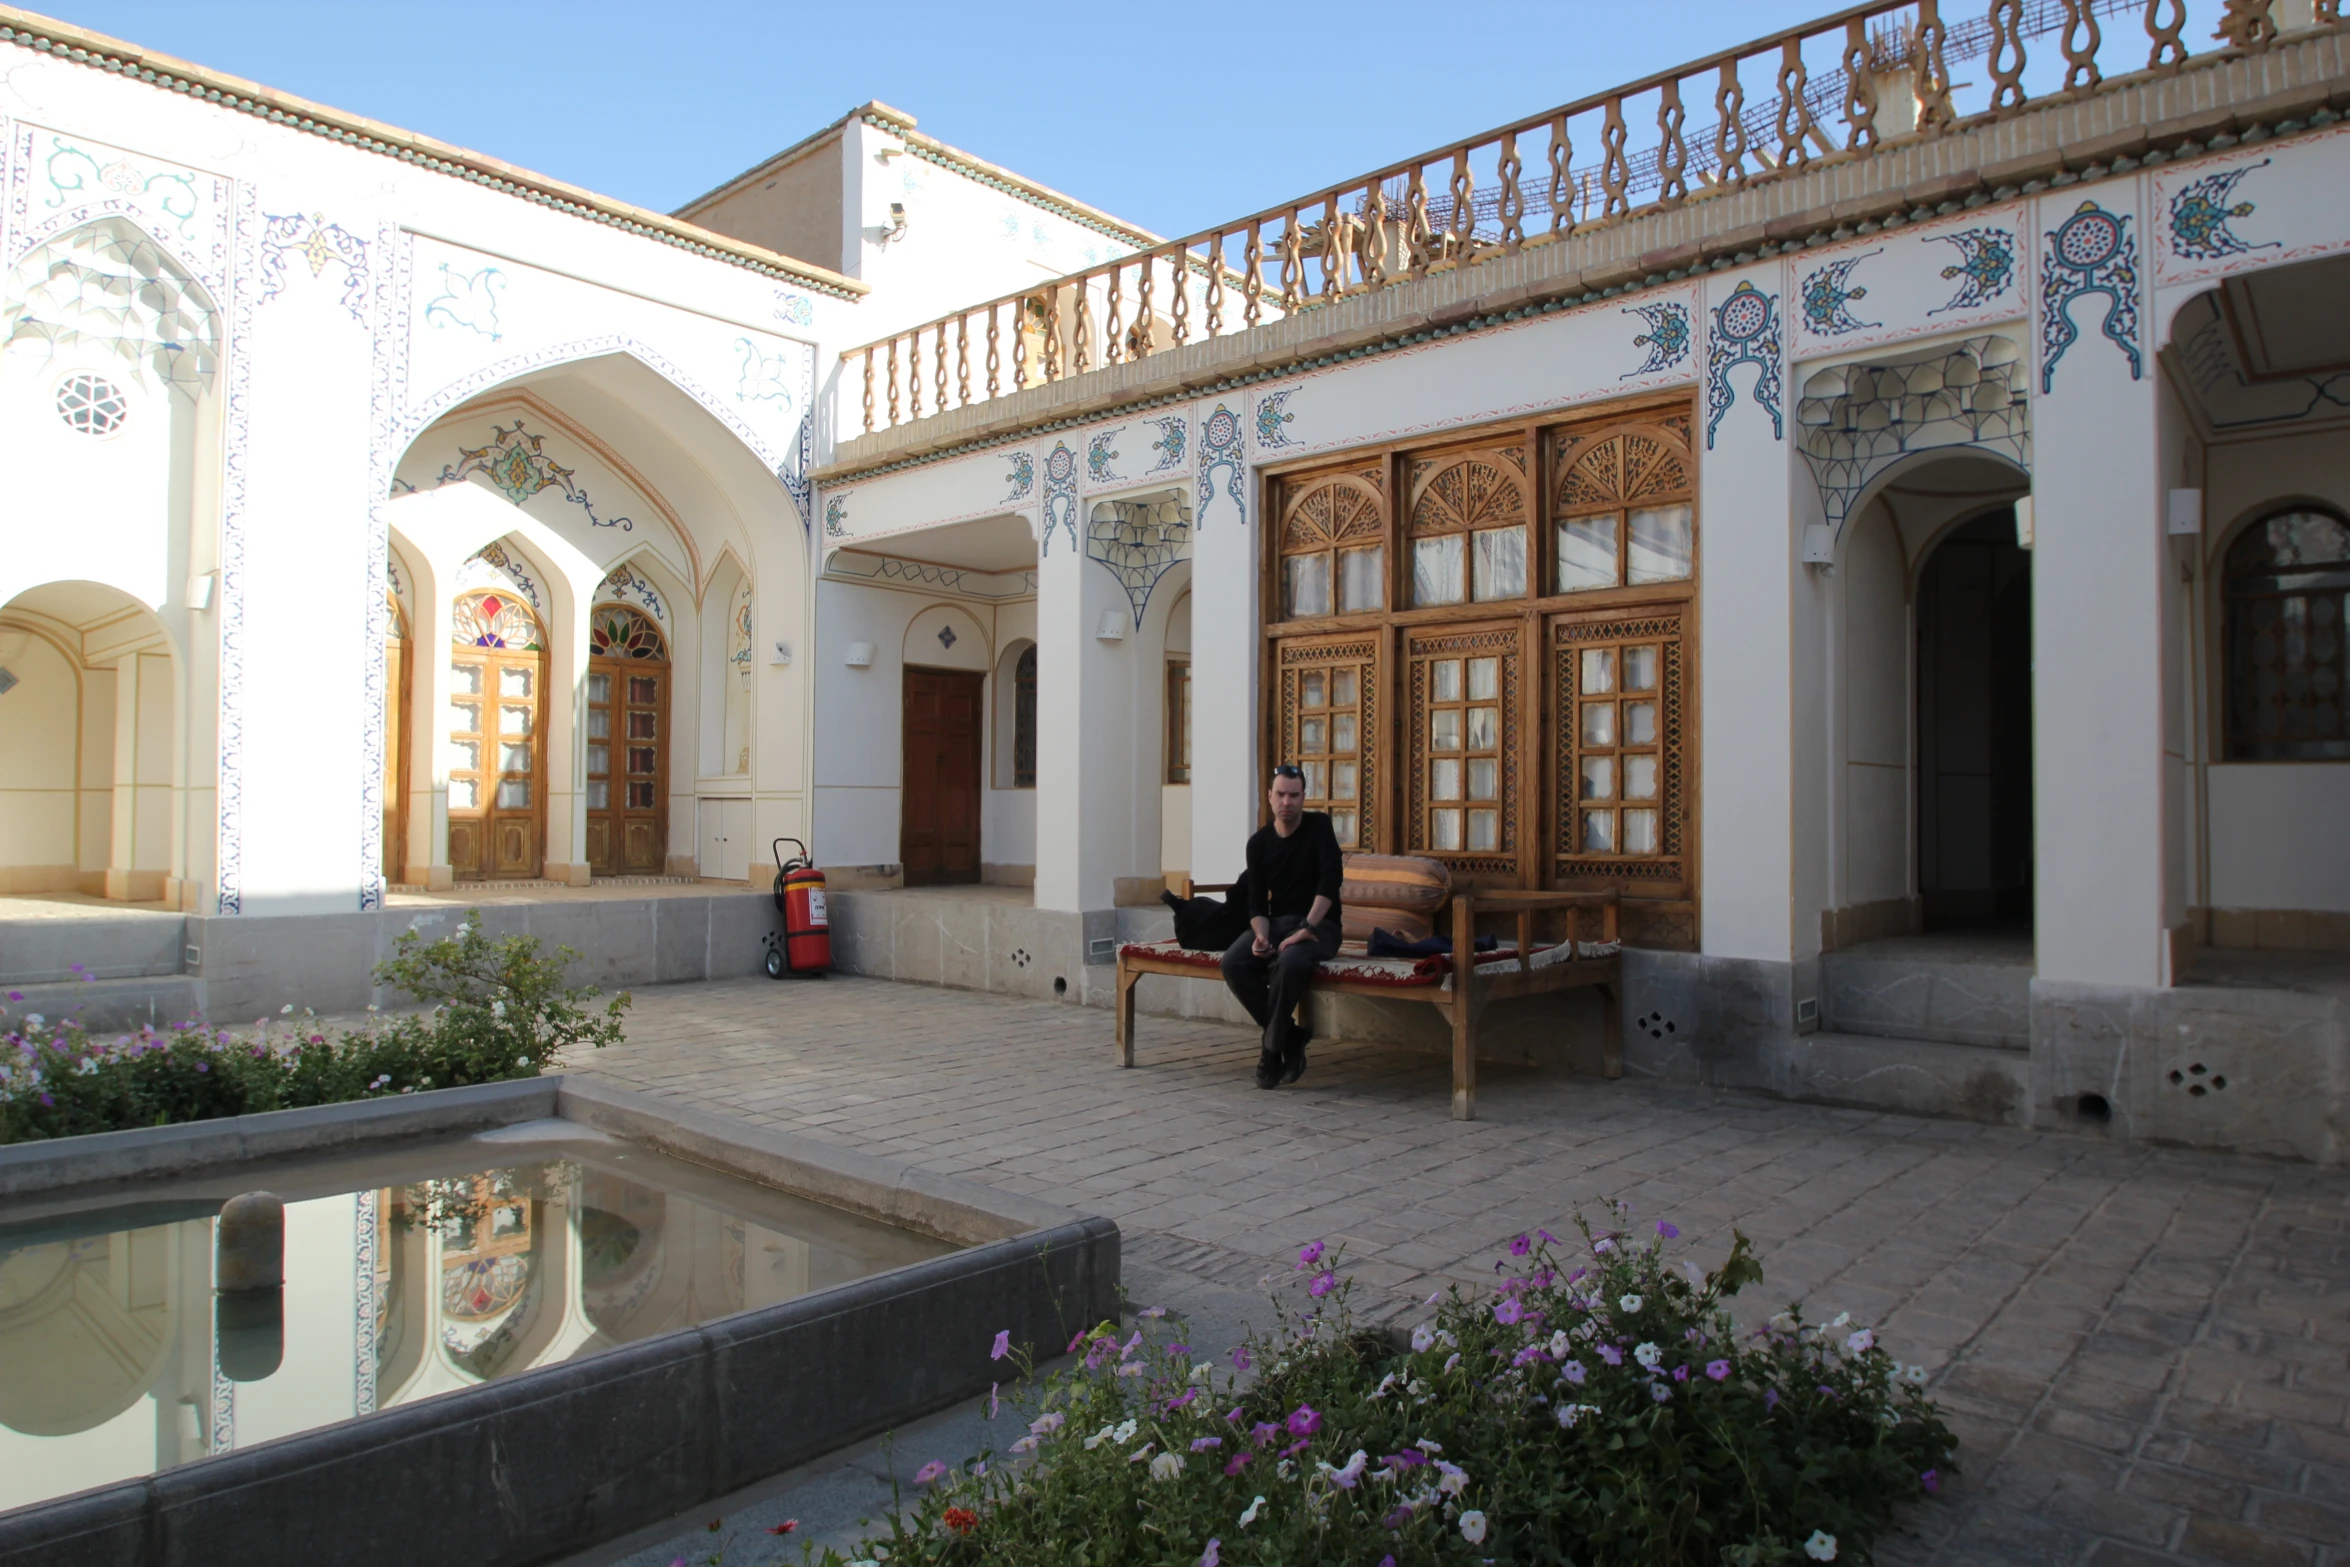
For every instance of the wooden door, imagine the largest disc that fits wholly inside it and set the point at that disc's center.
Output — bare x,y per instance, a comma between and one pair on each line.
497,708
627,744
938,832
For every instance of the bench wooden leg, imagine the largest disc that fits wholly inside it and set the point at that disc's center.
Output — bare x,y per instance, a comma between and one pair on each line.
1125,1008
1464,1050
1611,1030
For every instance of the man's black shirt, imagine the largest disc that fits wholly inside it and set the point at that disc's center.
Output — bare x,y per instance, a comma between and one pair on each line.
1286,874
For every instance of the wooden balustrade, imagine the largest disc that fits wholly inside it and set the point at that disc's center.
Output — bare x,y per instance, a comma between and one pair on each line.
1870,76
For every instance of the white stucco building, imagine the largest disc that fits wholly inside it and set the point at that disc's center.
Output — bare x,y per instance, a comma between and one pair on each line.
1895,532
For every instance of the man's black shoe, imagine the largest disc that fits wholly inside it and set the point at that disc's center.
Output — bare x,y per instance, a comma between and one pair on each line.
1293,1054
1268,1070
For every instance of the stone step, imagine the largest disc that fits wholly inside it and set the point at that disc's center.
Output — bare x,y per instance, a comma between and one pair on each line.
109,1005
1911,1076
109,946
1897,994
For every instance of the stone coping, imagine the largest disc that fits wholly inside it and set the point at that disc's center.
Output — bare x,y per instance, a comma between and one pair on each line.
557,1459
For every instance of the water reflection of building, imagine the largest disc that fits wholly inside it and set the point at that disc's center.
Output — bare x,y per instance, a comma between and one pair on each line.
108,1366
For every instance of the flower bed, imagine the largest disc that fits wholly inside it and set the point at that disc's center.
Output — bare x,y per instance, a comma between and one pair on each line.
498,1010
1596,1408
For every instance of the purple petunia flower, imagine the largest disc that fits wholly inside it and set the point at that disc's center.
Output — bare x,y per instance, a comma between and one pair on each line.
1003,1345
1931,1479
1546,1235
1573,1371
1263,1432
1680,1373
1661,1393
1200,1444
1612,1355
1719,1370
1521,1246
1239,1462
1771,1398
1509,1313
936,1469
1308,1256
1323,1284
1668,1229
1304,1420
1240,1360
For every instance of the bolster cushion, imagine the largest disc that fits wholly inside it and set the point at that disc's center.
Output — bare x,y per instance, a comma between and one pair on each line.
1400,882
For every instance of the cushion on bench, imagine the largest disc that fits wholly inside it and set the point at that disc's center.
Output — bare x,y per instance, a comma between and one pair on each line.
1396,893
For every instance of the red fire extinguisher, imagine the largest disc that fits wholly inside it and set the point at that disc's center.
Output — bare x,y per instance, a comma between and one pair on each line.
805,946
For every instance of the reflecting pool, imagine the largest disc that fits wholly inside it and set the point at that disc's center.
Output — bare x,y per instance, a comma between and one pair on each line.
407,1274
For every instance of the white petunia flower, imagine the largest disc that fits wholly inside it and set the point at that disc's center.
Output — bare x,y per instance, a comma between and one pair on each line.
1648,1355
1860,1343
1629,1302
1026,1444
1249,1516
1821,1547
1125,1432
1423,1339
1559,1345
1202,1371
1455,1479
1473,1526
1842,1317
1166,1466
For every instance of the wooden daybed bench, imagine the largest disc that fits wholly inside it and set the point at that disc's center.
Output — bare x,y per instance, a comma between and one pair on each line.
1567,964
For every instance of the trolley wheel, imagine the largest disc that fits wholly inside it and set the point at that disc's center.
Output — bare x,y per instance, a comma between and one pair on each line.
775,963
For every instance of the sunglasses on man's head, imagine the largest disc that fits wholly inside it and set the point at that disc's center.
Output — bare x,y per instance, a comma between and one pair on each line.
1285,770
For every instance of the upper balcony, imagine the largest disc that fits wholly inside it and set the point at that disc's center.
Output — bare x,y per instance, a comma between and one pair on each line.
1875,113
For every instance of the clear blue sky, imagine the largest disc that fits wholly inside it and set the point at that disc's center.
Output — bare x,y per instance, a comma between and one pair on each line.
1172,116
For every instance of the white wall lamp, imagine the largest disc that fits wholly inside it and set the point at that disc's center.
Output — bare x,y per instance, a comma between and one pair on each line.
860,655
200,589
2026,525
1111,627
2182,524
780,654
895,228
1819,547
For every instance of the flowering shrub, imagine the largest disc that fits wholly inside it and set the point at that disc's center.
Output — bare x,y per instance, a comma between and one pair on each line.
499,1010
1597,1408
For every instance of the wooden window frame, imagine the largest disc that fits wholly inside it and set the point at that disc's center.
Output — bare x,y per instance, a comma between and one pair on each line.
1178,742
2230,746
1528,626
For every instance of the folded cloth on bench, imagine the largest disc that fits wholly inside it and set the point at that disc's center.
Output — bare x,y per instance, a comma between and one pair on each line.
1387,944
1402,973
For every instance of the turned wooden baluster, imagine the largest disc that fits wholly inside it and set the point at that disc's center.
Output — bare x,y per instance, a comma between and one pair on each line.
1084,359
1513,199
1794,109
2007,55
1020,344
2327,12
1615,170
1293,261
1462,231
1935,114
1333,254
2169,52
1672,153
1562,178
994,361
914,375
1730,127
1419,238
893,380
2246,25
1052,334
1860,88
1142,309
1113,347
1252,283
2080,38
1375,235
1180,261
941,405
868,388
1216,284
963,359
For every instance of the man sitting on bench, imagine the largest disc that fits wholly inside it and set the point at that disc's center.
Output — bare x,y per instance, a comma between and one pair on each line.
1294,876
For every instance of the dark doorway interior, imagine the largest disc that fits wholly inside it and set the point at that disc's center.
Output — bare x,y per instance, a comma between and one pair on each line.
1975,729
938,832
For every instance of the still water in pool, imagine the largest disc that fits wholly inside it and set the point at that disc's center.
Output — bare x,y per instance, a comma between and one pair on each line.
434,1271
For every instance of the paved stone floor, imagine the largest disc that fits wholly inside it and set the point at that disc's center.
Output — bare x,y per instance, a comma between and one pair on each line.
2142,1350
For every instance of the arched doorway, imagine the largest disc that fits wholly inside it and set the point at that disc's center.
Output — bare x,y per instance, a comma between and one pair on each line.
395,779
1974,718
497,765
627,722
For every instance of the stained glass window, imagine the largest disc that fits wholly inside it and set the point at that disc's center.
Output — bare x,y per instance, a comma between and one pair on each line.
494,620
617,631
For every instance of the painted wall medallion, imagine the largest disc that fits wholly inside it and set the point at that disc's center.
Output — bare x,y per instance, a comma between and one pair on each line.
1745,332
1984,270
1220,447
2089,253
1828,294
1667,337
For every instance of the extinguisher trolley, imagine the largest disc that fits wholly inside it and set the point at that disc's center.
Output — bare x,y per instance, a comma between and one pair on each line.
804,946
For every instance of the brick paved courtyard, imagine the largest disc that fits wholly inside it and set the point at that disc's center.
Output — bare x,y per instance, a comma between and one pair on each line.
2142,1350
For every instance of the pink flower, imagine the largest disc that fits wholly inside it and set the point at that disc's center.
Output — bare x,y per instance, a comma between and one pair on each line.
1003,1345
1509,1313
1668,1230
1612,1355
1931,1479
1240,1360
1304,1421
1521,1246
1239,1462
1309,1256
1719,1370
1323,1284
929,1472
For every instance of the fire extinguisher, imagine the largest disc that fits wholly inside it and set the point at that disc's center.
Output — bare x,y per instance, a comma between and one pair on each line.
805,946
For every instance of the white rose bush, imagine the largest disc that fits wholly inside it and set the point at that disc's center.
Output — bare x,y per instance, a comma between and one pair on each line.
1598,1407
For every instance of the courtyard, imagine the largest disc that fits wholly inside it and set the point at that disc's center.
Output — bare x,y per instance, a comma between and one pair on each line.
2141,1349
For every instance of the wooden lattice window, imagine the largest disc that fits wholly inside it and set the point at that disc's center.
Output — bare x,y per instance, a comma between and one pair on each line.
1333,545
1468,526
1179,720
1623,509
2287,596
497,755
1024,720
1463,693
1619,694
1329,716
